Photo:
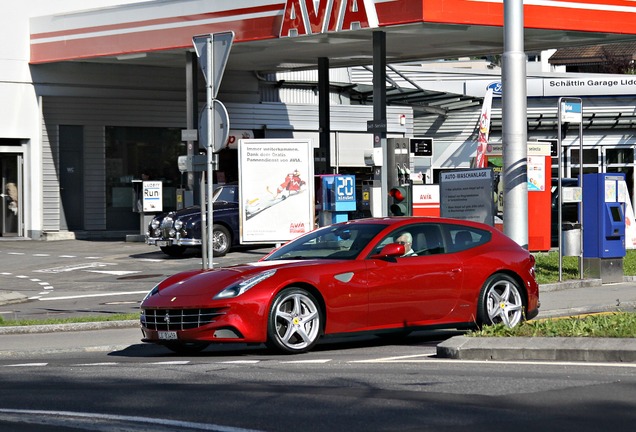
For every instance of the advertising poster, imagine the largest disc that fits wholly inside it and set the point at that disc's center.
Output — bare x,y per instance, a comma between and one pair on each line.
152,196
276,189
536,173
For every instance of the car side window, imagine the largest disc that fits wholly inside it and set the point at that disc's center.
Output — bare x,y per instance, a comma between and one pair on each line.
463,238
426,239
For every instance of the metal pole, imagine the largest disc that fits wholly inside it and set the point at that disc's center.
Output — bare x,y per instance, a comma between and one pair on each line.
560,190
514,116
560,112
204,229
581,186
380,177
210,168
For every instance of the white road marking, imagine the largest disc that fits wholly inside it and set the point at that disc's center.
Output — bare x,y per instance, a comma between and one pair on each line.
68,256
95,295
429,358
114,272
27,365
73,267
408,358
97,364
241,362
15,253
315,361
41,255
174,362
176,424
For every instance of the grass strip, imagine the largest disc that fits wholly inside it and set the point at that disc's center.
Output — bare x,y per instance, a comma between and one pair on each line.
601,325
70,320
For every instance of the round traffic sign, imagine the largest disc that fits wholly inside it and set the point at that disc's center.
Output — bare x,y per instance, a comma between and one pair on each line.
220,126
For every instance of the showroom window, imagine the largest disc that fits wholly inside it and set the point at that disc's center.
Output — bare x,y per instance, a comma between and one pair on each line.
136,153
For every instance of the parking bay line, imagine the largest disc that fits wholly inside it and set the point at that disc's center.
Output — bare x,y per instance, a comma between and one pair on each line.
93,295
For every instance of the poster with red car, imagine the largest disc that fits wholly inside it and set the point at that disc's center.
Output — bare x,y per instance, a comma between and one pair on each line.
276,184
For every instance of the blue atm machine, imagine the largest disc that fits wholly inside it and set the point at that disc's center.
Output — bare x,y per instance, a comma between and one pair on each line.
604,196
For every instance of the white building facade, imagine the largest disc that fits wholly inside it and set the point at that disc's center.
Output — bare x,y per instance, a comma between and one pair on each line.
81,117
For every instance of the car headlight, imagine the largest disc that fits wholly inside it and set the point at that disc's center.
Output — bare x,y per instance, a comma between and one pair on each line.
178,224
154,224
239,288
172,232
152,292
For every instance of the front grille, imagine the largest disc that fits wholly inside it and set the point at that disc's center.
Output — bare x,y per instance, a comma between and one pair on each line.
166,226
179,319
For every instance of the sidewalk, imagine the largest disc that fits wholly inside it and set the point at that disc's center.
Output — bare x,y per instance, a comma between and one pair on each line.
560,299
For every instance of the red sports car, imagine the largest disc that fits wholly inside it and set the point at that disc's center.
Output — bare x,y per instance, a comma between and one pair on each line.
368,275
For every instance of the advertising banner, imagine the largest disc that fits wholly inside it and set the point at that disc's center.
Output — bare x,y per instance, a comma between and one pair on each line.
276,189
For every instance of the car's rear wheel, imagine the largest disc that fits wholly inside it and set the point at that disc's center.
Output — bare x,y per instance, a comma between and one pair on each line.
501,301
187,348
173,251
295,321
221,240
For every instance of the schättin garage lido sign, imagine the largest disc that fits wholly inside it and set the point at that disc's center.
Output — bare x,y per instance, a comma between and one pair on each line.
589,86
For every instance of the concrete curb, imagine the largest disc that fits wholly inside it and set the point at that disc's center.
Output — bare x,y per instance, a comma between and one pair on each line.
572,284
600,350
52,328
11,297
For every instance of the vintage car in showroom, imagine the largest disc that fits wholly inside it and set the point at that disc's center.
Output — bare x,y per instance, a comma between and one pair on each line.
379,275
176,231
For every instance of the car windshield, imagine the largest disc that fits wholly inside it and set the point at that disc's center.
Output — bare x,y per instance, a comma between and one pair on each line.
341,241
225,193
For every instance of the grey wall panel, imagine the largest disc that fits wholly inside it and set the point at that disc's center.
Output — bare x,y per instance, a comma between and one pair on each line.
94,115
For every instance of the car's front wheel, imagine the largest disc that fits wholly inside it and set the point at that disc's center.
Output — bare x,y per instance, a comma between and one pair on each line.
295,321
221,240
501,301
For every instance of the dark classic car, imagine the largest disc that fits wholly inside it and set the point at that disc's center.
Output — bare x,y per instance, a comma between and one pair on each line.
176,231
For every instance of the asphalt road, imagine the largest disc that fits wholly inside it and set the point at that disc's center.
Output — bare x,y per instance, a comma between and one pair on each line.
73,277
344,385
107,380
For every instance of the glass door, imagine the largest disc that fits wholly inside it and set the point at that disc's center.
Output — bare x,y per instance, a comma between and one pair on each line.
11,183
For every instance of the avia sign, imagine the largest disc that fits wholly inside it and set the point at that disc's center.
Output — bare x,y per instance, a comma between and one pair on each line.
306,17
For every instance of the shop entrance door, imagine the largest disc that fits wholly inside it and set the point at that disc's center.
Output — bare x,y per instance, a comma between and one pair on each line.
11,208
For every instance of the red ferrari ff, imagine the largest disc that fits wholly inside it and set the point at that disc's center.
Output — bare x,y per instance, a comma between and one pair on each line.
368,275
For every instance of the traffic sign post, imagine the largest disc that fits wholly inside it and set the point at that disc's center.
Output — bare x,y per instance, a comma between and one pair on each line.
213,51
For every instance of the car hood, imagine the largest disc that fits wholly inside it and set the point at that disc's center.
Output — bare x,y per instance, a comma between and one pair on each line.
210,282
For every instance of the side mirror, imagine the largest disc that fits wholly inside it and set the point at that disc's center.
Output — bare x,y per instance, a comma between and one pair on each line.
392,250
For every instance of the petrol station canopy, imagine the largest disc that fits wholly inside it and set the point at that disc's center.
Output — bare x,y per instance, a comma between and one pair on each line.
277,35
